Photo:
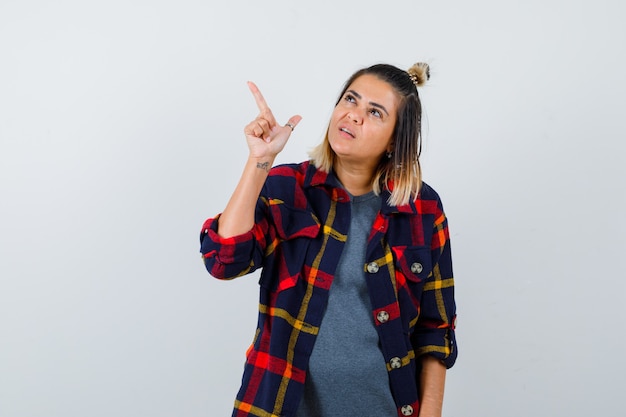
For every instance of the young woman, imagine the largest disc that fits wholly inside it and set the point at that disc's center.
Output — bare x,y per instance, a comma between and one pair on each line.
356,312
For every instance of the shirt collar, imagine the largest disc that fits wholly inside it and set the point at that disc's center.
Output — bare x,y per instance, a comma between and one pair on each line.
315,177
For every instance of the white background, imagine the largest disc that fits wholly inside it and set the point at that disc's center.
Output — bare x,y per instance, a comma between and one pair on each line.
121,132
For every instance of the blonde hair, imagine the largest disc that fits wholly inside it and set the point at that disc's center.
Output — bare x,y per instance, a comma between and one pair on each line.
401,173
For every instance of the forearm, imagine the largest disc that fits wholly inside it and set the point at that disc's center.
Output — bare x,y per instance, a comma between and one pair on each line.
238,216
266,139
432,382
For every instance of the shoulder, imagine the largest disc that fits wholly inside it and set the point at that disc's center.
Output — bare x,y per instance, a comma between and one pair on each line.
286,183
295,170
428,201
428,193
287,176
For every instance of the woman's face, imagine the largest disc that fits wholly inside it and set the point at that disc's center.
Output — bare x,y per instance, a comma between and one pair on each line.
362,123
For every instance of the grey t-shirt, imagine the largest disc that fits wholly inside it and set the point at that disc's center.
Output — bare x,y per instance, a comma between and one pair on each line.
347,373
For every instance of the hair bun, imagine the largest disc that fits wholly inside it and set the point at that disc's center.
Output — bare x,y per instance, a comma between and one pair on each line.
419,73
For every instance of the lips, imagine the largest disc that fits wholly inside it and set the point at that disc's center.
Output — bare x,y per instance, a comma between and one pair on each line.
346,131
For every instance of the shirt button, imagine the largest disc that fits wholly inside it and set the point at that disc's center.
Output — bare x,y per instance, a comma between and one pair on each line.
416,268
382,316
372,267
395,363
407,410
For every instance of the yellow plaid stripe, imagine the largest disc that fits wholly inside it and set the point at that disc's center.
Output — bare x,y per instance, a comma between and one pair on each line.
388,260
284,314
275,201
271,247
328,232
405,360
335,234
439,231
433,349
249,408
242,273
439,284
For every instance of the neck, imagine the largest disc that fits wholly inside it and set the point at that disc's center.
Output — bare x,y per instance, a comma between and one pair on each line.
356,179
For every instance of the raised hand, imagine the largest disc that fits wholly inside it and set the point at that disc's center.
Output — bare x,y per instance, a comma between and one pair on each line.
266,138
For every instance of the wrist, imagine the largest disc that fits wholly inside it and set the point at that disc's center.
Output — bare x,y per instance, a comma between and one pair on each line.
260,163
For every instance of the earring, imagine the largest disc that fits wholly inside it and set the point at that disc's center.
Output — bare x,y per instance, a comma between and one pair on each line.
389,155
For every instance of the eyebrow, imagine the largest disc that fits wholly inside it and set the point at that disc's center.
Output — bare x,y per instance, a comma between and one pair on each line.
380,106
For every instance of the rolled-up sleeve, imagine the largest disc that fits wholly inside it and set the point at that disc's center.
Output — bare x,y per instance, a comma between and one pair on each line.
232,257
226,258
434,332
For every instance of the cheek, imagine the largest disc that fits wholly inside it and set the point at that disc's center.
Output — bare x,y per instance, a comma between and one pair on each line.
384,133
337,114
390,130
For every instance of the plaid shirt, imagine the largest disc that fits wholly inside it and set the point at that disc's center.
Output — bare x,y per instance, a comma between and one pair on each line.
302,220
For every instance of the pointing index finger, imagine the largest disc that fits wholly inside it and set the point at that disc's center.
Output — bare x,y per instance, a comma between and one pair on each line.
258,97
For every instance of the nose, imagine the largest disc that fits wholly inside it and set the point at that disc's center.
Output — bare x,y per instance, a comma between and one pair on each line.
355,117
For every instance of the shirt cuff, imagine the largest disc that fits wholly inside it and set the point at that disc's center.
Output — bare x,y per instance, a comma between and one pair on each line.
225,257
440,343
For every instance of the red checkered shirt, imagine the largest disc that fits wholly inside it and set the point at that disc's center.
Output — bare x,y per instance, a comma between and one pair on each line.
302,221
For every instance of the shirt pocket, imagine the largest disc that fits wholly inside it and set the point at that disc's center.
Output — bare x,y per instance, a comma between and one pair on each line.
412,268
412,262
291,222
295,228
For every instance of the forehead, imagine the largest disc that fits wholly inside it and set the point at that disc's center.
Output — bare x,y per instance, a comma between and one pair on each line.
373,89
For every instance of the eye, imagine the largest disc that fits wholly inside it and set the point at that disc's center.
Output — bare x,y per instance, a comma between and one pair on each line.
350,98
376,113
